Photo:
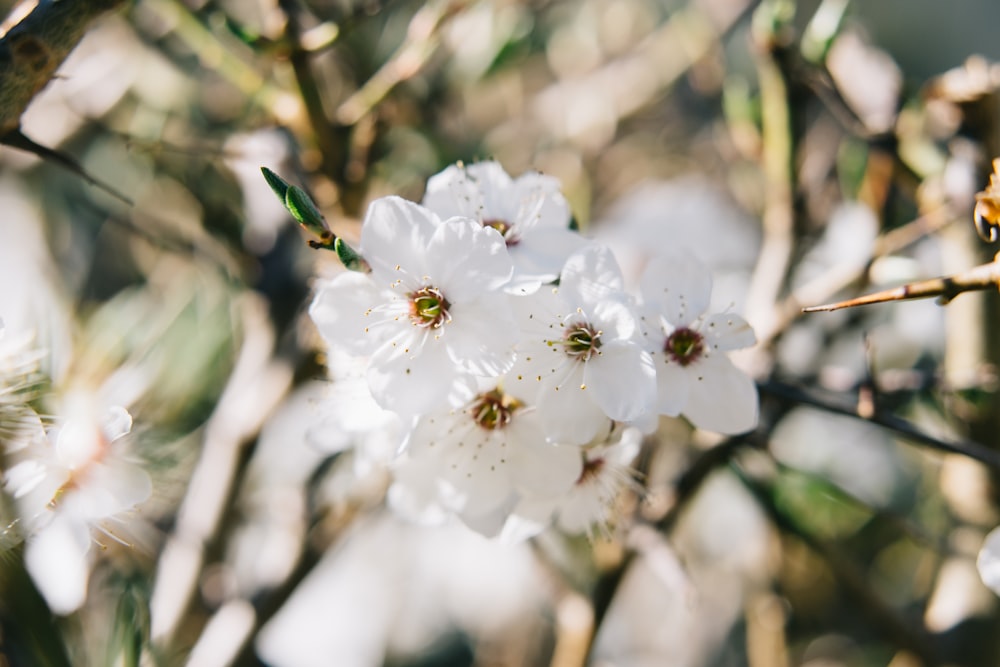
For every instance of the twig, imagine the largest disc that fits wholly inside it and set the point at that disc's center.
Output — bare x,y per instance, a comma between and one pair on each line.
778,219
982,277
329,144
422,39
30,53
973,450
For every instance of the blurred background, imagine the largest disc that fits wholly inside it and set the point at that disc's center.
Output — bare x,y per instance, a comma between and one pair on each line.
806,151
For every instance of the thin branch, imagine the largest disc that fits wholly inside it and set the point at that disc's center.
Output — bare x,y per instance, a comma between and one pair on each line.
985,276
908,431
422,39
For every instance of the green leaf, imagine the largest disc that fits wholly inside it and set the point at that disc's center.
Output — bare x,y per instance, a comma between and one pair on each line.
304,210
277,183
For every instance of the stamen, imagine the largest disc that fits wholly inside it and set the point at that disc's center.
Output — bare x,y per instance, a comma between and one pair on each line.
685,346
505,228
494,409
429,308
581,341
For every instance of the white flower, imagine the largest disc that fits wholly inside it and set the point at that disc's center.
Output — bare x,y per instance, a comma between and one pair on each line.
488,454
579,360
988,561
590,501
432,313
67,483
694,376
530,213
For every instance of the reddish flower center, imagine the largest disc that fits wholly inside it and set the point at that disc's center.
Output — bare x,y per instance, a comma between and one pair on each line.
505,228
591,469
494,409
685,346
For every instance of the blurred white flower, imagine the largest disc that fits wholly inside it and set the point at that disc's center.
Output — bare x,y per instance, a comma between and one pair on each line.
432,313
579,360
988,561
694,376
488,454
67,483
530,212
590,502
688,214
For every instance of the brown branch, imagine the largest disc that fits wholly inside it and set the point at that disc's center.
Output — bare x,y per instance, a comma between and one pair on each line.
979,278
973,450
32,50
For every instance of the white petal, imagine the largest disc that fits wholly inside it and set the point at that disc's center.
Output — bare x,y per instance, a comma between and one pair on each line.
395,234
476,463
411,383
343,316
108,489
583,508
679,286
673,386
495,190
56,559
541,252
623,380
541,469
988,561
725,331
116,423
569,414
27,476
723,398
78,442
529,518
490,522
541,195
414,492
467,259
540,315
481,335
452,193
591,275
615,320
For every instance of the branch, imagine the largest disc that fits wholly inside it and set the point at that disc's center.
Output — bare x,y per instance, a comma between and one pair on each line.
32,50
30,53
982,277
973,450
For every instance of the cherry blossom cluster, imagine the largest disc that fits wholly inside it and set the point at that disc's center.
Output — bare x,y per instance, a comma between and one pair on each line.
70,478
522,372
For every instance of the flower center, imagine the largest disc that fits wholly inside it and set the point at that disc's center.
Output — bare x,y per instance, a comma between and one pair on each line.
505,228
581,341
494,409
591,469
429,308
685,346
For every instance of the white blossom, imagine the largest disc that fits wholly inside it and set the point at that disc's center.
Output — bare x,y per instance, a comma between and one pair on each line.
694,376
590,502
432,313
488,454
72,485
580,360
529,211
